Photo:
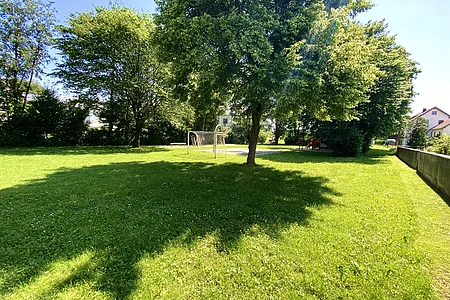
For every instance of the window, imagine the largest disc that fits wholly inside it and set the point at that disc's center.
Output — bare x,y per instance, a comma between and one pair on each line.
440,121
434,113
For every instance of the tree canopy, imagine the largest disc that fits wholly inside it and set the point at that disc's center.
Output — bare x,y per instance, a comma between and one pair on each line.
334,70
240,45
109,54
302,54
26,29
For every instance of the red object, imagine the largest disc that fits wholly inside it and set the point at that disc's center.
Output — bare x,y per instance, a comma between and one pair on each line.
314,144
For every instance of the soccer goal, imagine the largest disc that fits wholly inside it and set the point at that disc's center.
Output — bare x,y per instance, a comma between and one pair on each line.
214,138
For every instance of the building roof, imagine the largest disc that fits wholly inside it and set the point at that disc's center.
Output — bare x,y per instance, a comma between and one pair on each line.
443,125
428,110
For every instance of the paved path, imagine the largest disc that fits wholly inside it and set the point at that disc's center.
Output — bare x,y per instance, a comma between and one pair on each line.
244,151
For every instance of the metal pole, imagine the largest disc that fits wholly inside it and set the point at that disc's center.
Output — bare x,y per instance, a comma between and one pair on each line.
188,143
215,141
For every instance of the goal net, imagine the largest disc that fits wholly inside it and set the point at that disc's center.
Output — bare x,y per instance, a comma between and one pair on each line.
214,138
206,138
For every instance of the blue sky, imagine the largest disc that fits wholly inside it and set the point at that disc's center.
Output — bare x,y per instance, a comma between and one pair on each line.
422,27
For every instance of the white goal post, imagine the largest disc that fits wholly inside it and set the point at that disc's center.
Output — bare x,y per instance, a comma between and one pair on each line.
202,138
214,138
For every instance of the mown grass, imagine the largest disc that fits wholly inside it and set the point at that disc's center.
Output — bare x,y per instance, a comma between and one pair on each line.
106,223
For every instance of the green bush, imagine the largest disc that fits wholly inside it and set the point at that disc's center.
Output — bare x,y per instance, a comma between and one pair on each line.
295,138
238,135
341,137
417,137
442,144
264,135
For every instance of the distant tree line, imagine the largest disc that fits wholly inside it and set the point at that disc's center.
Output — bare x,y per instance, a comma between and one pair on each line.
284,68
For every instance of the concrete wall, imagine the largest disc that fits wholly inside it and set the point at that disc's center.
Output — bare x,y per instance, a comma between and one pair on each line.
433,167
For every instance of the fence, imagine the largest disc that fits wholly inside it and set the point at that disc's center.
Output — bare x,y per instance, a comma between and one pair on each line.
435,168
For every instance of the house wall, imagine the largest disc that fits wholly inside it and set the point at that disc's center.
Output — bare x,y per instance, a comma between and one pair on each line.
93,121
438,132
434,120
447,130
435,168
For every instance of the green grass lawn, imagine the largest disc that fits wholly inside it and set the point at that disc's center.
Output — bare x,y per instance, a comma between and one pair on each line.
113,222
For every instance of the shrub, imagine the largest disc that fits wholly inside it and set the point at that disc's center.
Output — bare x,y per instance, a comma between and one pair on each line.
238,135
442,144
295,138
264,135
341,137
417,137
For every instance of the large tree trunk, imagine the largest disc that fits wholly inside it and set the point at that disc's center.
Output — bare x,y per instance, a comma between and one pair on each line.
138,118
27,91
277,133
137,135
254,134
110,117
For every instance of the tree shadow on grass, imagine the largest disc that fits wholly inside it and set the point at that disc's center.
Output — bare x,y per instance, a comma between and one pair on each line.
374,156
123,211
442,194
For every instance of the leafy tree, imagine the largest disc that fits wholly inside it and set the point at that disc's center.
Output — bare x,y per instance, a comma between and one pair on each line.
389,97
344,138
442,144
46,121
46,113
298,128
393,92
333,71
26,28
170,123
110,53
240,131
417,136
18,130
240,45
72,126
207,99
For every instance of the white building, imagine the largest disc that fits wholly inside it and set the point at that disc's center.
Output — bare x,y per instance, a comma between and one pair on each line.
94,121
434,116
441,128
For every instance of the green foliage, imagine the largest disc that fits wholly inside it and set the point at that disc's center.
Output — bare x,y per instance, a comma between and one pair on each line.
26,28
341,137
110,54
393,92
295,138
442,144
387,100
19,130
46,112
418,133
238,135
36,88
265,135
333,70
45,122
237,48
298,129
72,127
240,131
